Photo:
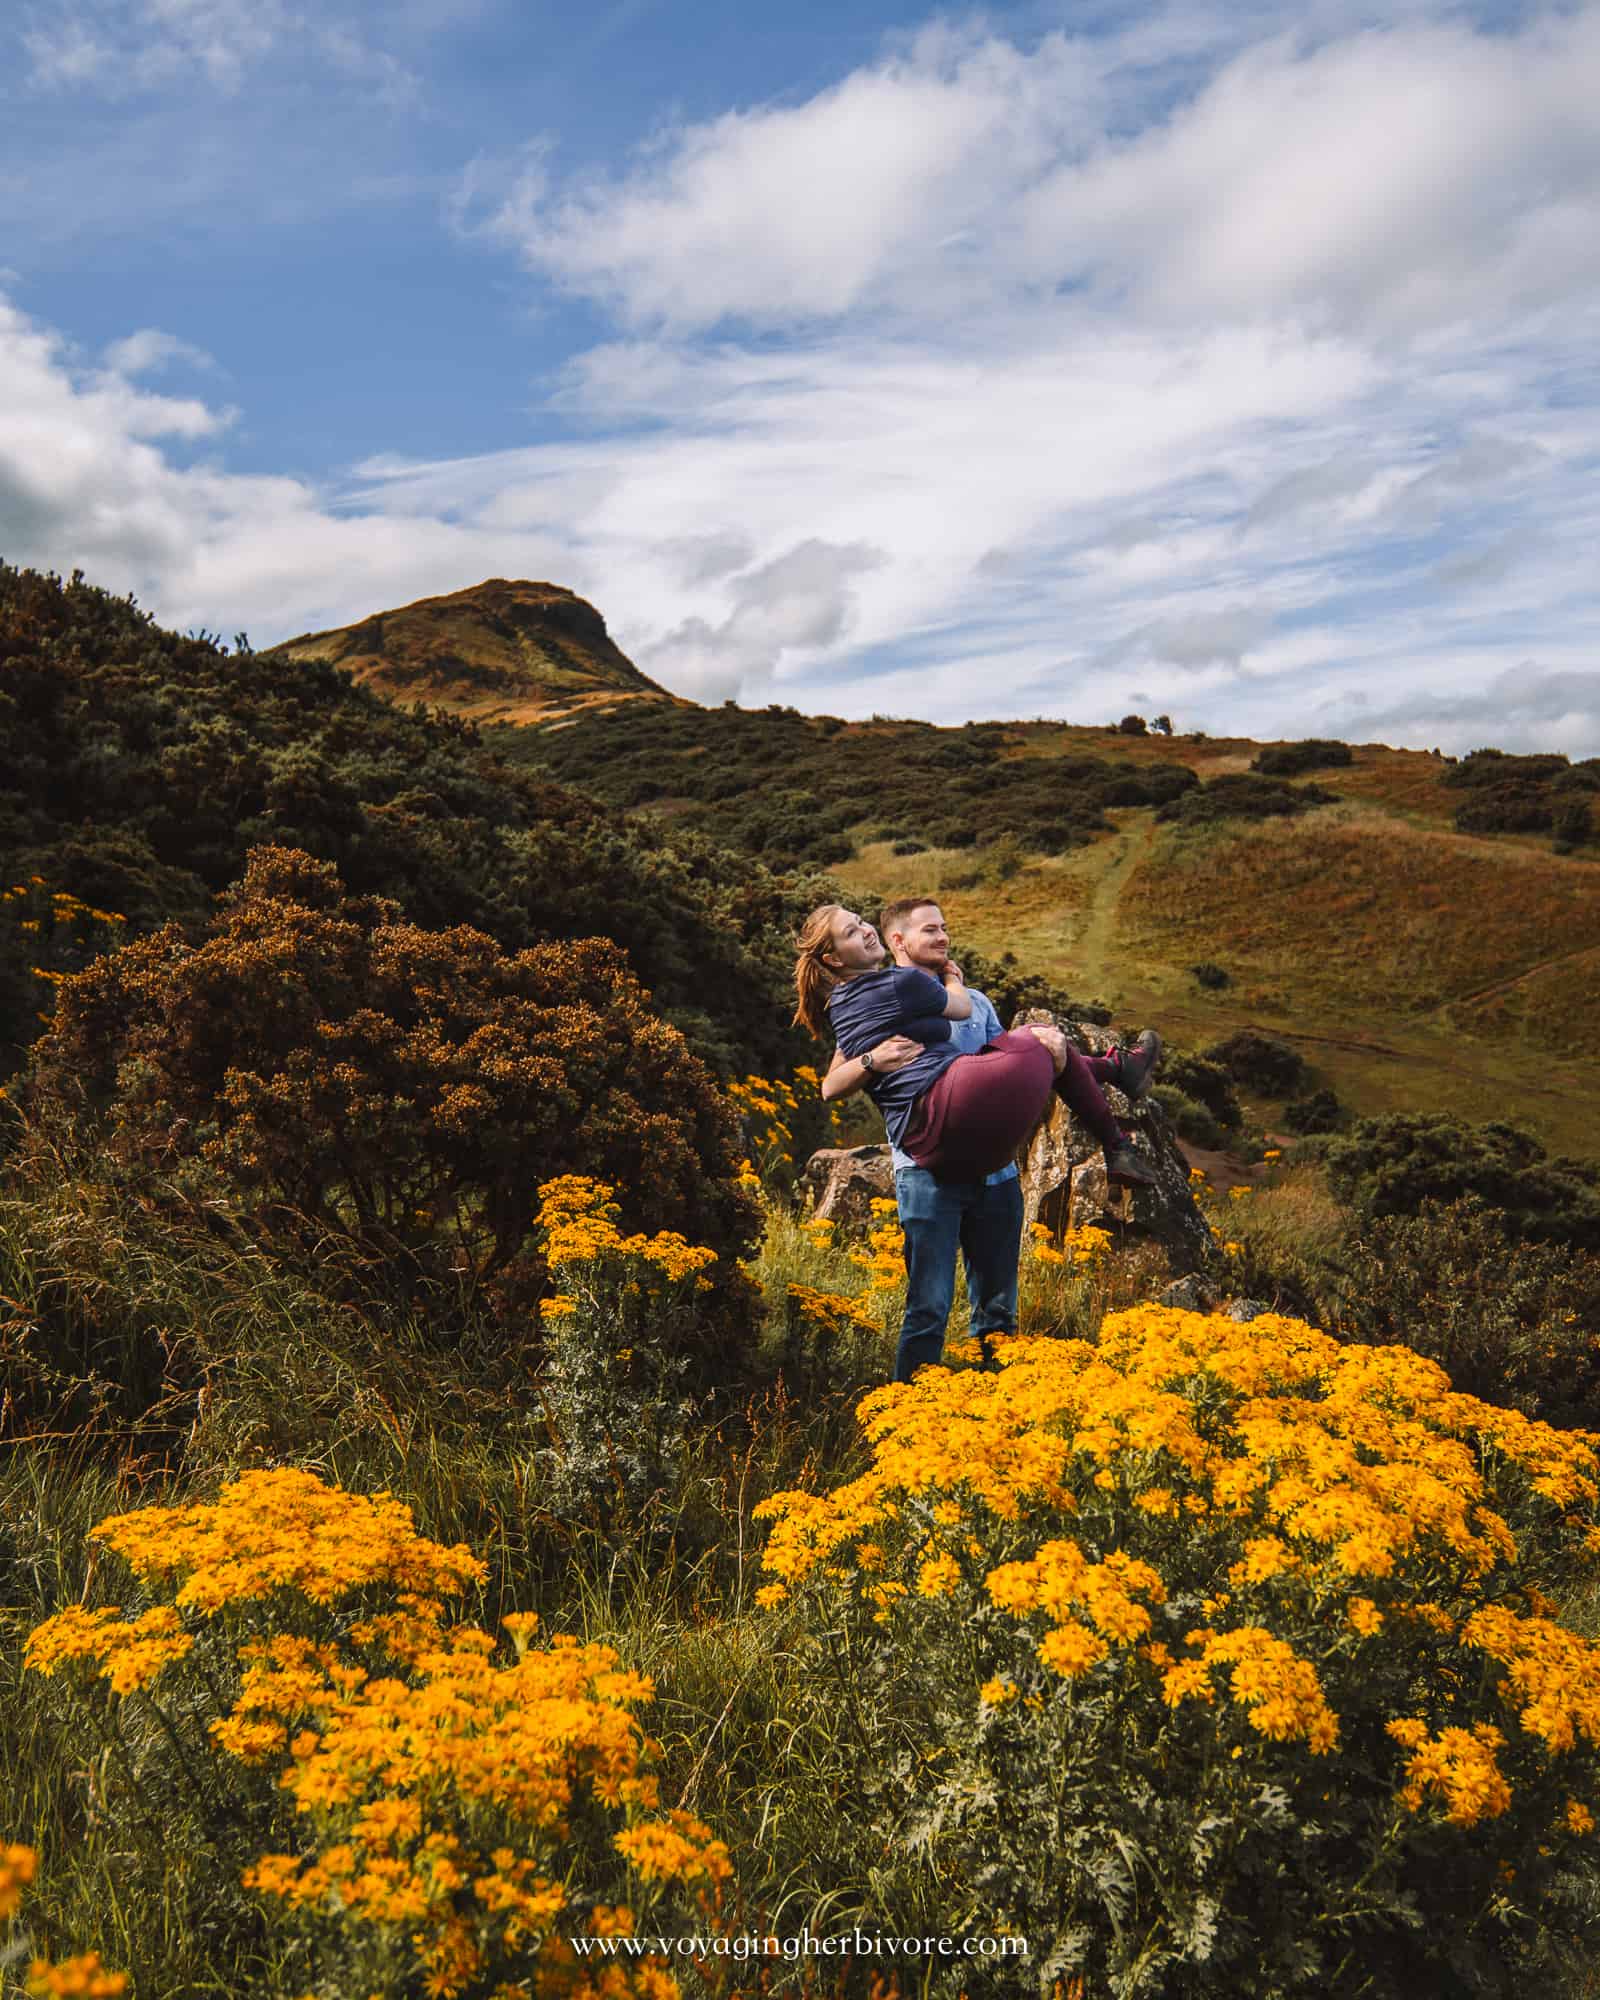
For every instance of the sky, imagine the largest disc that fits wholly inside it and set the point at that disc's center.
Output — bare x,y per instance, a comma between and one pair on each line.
1234,362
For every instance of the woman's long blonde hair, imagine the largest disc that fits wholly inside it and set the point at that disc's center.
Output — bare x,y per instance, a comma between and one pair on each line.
814,979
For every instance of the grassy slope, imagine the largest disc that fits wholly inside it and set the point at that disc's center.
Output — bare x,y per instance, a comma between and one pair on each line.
1414,967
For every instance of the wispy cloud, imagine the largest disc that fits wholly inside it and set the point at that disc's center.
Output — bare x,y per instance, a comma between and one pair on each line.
125,48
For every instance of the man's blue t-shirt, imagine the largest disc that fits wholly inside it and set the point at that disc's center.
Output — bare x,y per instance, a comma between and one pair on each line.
901,1000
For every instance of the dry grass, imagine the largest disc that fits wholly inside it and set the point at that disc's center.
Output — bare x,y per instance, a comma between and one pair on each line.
1360,911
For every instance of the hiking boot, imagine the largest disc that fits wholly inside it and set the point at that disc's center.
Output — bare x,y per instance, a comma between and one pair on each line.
1124,1168
1137,1065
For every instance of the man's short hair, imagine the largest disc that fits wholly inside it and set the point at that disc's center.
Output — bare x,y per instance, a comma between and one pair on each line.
895,913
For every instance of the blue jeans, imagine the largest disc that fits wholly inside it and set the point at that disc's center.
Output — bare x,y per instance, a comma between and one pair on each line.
983,1222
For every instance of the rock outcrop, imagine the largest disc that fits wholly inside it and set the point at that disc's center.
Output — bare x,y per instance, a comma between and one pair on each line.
844,1181
1064,1176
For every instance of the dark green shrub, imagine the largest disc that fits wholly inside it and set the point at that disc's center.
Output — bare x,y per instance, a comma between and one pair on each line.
1265,1065
1014,990
1206,1082
1318,1111
1210,975
1243,795
1522,794
1315,753
725,770
1133,725
388,1098
1190,1120
138,768
1512,1322
1571,823
1394,1165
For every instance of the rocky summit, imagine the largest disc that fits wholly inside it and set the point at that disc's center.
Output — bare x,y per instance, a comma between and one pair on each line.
499,652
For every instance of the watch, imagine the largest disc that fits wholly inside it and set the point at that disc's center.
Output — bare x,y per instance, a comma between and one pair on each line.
867,1063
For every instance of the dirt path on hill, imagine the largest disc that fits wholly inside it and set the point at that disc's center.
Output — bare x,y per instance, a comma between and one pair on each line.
1498,986
1092,953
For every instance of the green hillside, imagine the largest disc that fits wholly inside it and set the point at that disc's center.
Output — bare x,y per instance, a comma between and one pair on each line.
1414,963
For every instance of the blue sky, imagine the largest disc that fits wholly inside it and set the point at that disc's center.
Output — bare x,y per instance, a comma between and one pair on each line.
1239,363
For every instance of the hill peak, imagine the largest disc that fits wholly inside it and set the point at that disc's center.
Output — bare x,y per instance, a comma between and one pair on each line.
502,651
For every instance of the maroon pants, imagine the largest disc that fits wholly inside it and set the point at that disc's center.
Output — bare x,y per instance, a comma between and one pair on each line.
971,1120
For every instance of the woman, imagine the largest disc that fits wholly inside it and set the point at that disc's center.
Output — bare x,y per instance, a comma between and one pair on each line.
960,1116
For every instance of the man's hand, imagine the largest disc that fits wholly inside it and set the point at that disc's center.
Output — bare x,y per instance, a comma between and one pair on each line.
953,973
895,1053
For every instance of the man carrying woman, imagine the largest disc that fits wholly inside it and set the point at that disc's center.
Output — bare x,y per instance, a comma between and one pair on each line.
958,1096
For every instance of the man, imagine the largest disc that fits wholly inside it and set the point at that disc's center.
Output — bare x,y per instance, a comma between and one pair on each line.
981,1219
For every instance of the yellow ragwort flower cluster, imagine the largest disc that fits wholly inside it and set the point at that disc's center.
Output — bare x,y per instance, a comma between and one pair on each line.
579,1219
884,1258
129,1653
1084,1248
267,1531
1459,1765
18,1865
1351,1478
83,1975
439,1782
833,1312
80,1978
390,1766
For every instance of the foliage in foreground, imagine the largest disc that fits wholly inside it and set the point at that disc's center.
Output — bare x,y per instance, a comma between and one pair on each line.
1217,1652
439,1817
854,1769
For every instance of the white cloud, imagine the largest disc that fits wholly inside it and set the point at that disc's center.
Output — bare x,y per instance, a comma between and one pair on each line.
1202,639
891,180
149,351
802,599
1392,179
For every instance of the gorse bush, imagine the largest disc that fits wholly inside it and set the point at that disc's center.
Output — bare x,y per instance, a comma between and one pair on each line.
45,933
1395,1164
1535,794
1263,1064
1203,1081
436,1809
389,1097
1314,753
1243,795
1315,1111
796,788
1511,1322
1214,1655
